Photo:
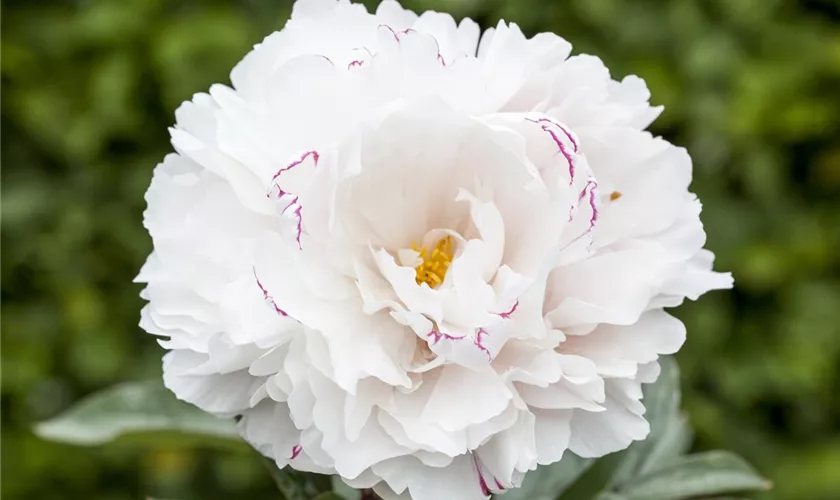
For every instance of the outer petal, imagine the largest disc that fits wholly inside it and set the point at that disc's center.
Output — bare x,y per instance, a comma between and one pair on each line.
612,287
597,434
458,480
463,397
618,350
225,394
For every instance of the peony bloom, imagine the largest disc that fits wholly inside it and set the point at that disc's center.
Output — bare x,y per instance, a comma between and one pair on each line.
420,257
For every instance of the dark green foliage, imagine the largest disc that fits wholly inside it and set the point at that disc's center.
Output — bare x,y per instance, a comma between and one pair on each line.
89,87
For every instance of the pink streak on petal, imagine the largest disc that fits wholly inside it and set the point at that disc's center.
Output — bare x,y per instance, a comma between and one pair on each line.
546,128
439,55
506,314
571,138
268,298
327,58
296,449
299,226
277,192
409,31
483,485
592,196
396,36
366,50
437,335
481,482
563,151
355,62
592,186
498,484
314,154
478,338
561,127
434,334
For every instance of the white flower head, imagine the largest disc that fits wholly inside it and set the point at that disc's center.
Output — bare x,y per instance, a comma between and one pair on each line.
425,263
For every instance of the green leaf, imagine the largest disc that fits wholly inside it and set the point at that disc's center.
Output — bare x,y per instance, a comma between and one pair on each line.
711,473
596,479
547,482
670,436
297,485
346,492
135,407
608,495
672,443
329,495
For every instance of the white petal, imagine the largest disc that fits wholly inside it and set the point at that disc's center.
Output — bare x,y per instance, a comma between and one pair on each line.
553,431
596,434
458,480
612,347
612,287
312,8
463,397
392,14
512,449
222,394
267,427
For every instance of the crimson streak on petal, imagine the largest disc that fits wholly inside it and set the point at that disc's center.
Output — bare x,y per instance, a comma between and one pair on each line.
292,200
589,193
592,185
268,298
314,154
479,335
545,125
506,314
437,335
572,139
482,483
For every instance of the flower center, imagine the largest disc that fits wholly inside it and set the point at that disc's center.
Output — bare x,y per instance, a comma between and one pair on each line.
435,263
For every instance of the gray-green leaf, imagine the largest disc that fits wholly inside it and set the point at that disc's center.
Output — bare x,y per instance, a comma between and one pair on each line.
608,495
329,495
547,482
346,492
595,479
135,407
711,473
296,485
669,435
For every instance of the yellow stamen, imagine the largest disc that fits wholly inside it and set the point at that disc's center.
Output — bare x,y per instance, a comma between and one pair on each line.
434,264
615,195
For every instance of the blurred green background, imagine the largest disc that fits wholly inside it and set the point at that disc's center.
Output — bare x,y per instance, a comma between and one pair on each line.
751,87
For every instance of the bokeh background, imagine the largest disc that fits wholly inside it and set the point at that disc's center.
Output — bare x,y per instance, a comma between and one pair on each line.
751,87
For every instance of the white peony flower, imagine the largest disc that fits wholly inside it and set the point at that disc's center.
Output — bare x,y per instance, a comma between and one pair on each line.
425,263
